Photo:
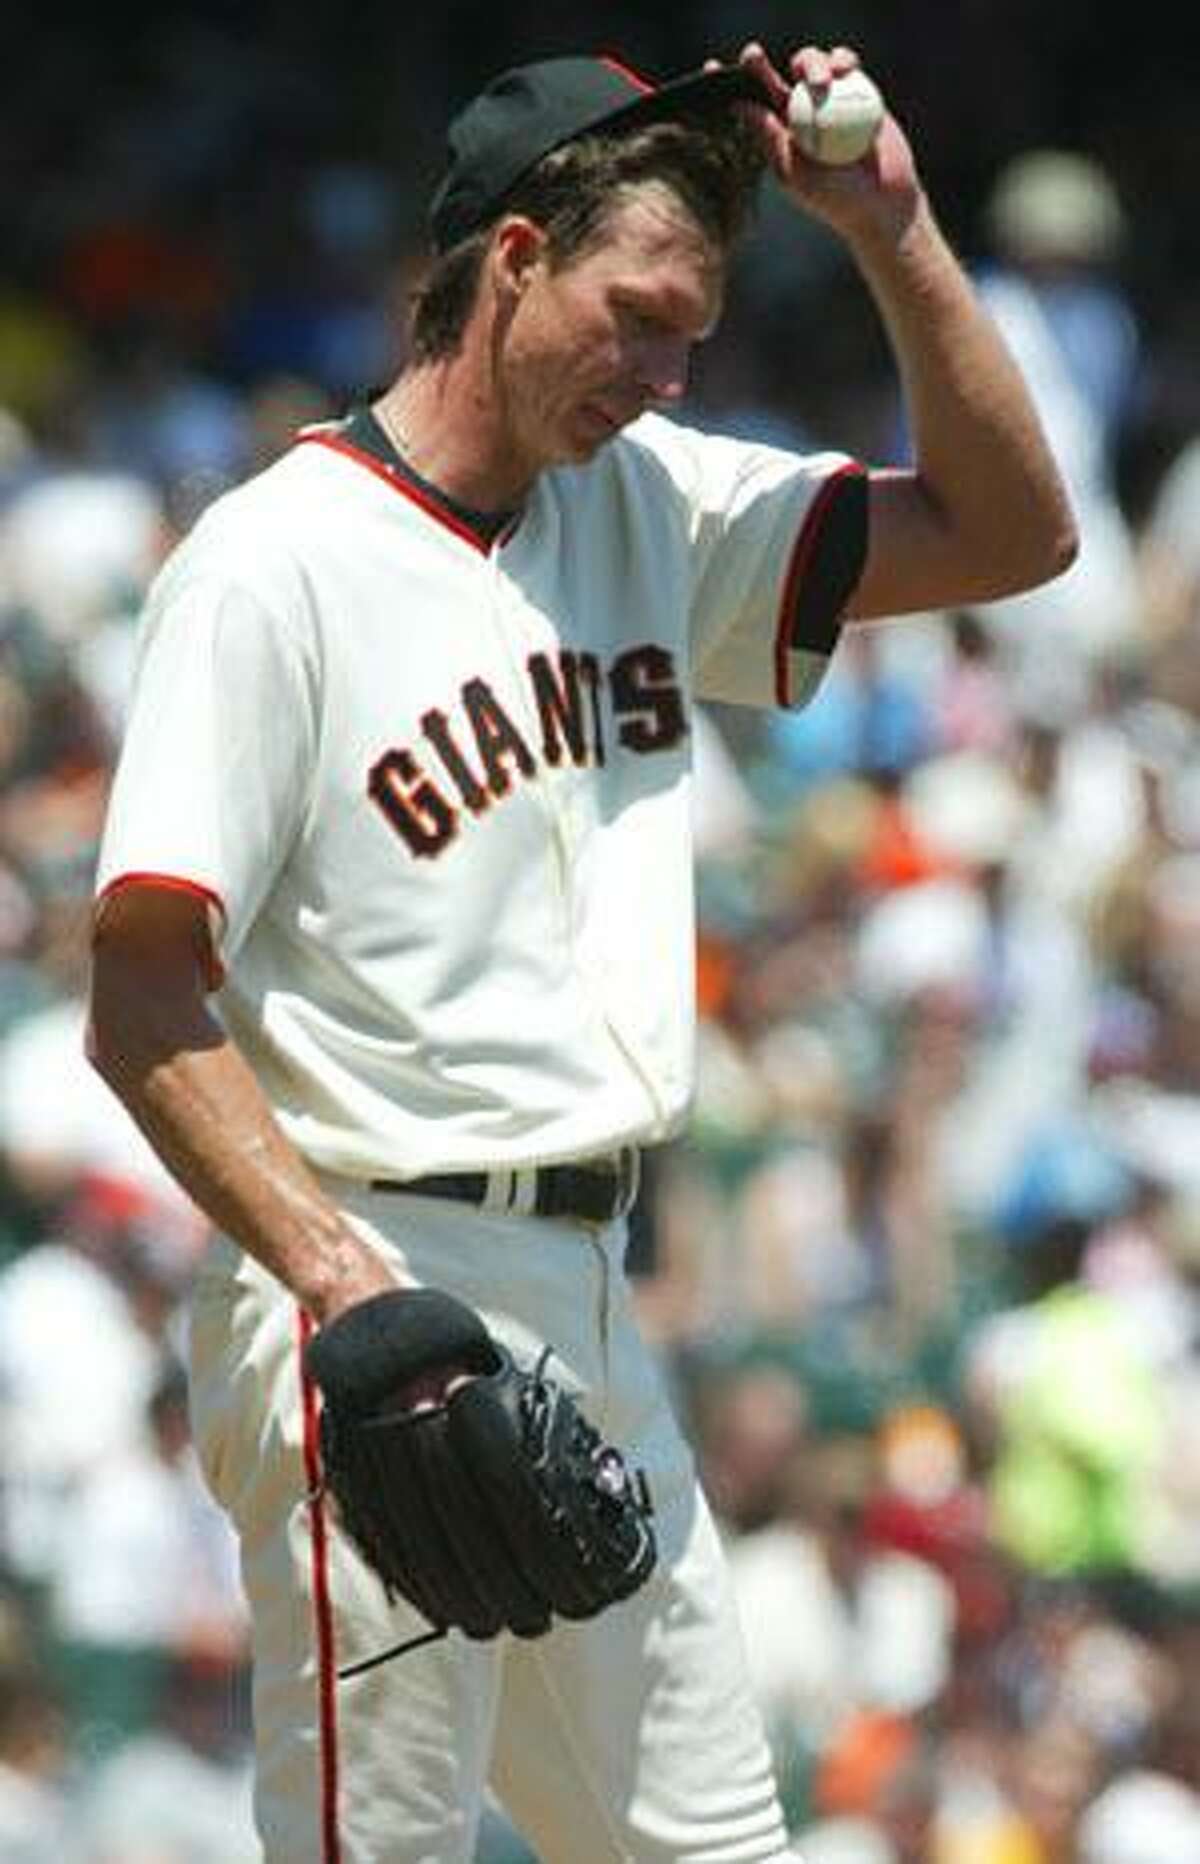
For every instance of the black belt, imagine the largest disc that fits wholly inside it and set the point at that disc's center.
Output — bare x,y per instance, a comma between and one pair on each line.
593,1191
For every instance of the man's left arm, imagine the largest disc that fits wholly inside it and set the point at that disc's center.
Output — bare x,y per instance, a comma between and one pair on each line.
982,512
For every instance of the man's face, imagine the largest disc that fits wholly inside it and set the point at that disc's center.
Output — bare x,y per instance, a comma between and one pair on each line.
610,333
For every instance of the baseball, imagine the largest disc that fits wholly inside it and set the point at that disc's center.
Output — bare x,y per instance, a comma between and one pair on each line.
839,124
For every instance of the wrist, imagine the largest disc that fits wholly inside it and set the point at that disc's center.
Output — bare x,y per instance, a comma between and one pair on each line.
909,270
889,230
341,1279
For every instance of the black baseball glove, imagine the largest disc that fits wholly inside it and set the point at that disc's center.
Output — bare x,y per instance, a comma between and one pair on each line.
499,1508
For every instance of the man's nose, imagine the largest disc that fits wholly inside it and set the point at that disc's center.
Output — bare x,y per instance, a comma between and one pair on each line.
663,368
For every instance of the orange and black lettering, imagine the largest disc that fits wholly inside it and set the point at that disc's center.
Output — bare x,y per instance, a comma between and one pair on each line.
589,671
412,803
436,727
647,699
499,742
560,706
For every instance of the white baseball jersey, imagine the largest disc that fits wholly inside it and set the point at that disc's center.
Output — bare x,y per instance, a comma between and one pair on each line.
437,788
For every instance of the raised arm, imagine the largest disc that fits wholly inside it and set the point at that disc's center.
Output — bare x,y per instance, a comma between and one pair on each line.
982,512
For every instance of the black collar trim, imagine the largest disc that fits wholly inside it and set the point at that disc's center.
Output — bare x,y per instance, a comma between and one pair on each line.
364,431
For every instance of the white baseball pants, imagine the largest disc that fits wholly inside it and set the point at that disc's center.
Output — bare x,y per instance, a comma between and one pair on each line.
631,1737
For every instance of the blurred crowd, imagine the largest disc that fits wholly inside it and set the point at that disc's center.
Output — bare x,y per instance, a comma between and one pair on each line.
925,1269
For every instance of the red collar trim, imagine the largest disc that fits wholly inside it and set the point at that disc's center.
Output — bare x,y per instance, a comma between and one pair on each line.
432,507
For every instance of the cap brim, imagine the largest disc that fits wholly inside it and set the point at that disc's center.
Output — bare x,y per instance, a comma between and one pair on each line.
697,90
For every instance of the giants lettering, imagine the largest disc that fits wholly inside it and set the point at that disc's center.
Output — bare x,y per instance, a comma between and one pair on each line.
647,707
560,702
436,727
589,667
560,705
643,684
413,805
500,743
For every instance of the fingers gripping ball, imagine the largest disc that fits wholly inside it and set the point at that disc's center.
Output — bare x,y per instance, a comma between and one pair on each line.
838,124
499,1507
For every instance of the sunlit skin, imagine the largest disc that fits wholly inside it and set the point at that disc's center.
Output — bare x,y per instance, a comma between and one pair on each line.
555,360
558,357
592,344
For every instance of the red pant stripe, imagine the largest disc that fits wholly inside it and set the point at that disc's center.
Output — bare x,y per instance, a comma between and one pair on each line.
322,1608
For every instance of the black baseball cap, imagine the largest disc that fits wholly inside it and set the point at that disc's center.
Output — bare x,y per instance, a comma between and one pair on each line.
523,115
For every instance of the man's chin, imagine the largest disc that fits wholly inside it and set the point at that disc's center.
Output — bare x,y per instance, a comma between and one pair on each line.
583,435
602,423
585,450
578,450
592,430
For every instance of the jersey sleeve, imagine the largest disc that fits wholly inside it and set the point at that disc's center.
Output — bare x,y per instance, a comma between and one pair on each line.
778,545
216,766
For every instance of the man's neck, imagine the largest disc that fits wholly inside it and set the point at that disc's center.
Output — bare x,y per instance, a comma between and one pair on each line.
449,427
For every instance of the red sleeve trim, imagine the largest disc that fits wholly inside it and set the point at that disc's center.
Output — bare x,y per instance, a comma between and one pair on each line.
170,883
803,551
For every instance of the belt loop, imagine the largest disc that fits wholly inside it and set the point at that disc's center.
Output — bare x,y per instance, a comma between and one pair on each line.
499,1193
523,1195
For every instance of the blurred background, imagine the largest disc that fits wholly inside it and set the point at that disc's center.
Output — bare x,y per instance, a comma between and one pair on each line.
925,1269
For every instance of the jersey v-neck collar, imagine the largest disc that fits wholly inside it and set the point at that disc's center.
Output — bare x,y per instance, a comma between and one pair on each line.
361,437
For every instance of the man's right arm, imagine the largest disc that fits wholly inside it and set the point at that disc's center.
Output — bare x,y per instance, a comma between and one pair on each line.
983,511
154,1040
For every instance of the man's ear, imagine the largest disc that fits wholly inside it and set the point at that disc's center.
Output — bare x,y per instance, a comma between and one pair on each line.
518,247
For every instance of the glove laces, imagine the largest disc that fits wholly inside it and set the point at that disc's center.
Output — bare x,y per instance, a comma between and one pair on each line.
393,1650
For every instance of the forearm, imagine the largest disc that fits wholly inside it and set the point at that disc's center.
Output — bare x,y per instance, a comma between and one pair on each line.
194,1096
983,512
982,465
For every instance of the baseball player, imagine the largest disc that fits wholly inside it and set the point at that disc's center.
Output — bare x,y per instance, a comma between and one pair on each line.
393,949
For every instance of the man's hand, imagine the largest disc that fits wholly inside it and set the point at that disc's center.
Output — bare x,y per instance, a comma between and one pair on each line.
878,193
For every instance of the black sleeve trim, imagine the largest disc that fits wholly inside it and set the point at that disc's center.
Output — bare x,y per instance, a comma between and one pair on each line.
827,563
